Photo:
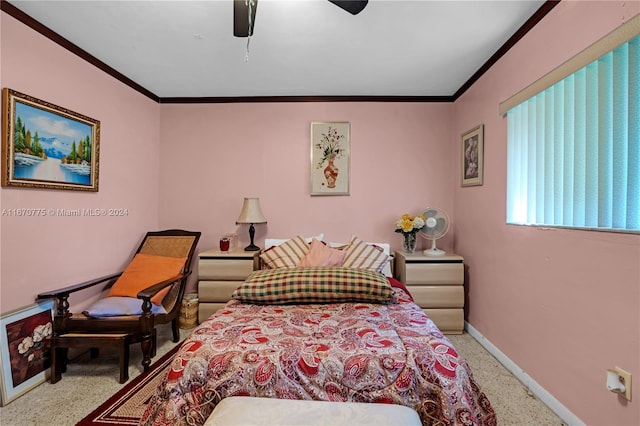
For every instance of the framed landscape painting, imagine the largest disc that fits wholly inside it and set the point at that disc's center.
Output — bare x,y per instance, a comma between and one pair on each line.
47,146
330,152
24,351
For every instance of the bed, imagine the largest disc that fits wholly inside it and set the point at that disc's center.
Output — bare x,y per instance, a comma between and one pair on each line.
339,332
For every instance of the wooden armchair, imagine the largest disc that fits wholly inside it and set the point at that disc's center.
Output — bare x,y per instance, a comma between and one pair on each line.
90,330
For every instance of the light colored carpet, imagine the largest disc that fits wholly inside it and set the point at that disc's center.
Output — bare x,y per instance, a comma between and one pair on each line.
513,403
89,382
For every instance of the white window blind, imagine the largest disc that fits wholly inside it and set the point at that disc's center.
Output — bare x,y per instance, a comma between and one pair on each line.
574,149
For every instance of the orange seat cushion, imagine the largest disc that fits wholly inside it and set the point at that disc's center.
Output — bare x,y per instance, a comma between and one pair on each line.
144,271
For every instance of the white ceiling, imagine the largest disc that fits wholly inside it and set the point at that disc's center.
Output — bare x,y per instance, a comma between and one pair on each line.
299,47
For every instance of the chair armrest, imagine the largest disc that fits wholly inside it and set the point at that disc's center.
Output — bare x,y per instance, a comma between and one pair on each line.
64,292
149,292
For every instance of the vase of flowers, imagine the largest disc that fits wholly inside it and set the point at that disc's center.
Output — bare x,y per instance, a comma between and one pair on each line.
409,226
331,148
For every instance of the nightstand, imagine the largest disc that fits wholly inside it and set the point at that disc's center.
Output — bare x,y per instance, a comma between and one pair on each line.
437,286
219,274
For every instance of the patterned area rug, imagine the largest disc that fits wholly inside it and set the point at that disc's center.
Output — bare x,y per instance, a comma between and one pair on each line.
128,404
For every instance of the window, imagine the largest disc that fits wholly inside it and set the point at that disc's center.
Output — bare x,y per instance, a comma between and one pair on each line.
573,150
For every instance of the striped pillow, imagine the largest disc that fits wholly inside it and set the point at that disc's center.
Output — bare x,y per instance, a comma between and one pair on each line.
361,255
285,255
314,285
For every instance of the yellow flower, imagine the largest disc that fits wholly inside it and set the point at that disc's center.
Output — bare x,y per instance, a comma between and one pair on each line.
410,224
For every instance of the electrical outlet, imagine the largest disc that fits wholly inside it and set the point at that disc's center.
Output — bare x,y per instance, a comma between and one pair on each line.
625,378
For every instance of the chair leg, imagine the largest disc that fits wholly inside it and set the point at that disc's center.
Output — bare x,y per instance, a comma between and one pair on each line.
124,361
56,364
147,347
63,359
176,330
154,345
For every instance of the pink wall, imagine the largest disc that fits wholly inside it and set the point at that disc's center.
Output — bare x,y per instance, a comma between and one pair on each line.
539,295
43,253
214,155
564,305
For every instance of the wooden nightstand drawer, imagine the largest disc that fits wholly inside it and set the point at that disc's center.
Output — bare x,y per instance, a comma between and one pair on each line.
219,274
217,290
437,286
438,296
447,320
434,273
225,269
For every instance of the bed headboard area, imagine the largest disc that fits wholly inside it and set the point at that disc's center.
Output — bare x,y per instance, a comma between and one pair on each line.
314,251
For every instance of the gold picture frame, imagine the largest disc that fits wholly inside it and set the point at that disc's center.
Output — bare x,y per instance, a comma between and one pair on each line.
330,157
472,157
47,146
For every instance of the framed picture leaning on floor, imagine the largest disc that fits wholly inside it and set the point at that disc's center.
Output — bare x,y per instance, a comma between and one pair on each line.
24,351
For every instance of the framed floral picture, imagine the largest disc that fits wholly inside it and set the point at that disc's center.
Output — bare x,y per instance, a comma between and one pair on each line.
47,146
472,158
330,153
24,352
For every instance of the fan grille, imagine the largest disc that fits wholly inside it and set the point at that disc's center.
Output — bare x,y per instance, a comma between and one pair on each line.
436,223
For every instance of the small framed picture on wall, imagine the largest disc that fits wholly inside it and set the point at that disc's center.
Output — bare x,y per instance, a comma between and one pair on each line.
330,152
472,156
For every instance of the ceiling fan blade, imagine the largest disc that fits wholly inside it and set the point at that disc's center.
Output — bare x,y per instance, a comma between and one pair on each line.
352,6
241,17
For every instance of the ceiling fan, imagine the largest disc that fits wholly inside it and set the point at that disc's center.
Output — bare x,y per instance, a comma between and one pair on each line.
244,13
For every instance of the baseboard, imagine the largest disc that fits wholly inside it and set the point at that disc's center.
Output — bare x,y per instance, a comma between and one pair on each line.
542,394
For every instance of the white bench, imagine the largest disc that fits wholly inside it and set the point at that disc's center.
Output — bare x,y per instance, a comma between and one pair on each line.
245,411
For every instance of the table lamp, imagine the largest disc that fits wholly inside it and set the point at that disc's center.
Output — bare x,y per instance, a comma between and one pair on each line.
251,213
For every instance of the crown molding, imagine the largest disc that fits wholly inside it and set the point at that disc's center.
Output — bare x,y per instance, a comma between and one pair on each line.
16,13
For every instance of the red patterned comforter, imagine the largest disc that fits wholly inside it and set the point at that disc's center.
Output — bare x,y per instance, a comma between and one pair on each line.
339,352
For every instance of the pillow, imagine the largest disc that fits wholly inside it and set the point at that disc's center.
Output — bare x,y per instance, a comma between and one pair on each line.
314,285
285,255
322,255
144,271
386,248
361,255
270,242
115,306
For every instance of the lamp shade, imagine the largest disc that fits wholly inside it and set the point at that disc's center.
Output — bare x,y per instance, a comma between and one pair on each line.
251,212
